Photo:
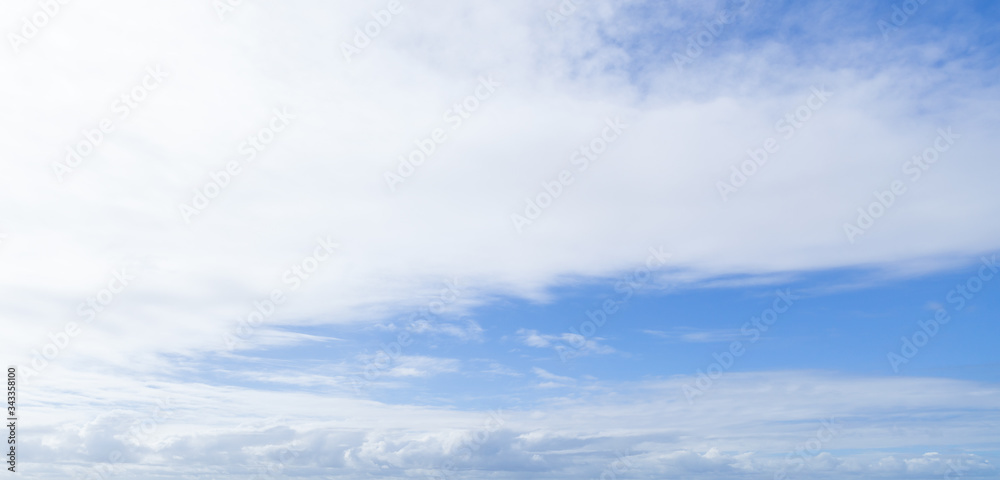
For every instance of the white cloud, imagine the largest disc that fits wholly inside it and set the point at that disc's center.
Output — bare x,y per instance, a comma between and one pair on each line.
331,435
567,343
695,335
546,375
499,369
323,175
532,338
420,366
469,330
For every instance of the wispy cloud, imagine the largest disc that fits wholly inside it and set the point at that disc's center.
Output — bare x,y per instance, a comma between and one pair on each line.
420,366
581,345
695,335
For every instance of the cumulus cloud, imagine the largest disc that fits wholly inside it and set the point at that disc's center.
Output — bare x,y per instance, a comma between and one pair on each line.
778,425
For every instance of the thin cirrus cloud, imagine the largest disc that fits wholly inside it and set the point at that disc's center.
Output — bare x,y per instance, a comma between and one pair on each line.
693,335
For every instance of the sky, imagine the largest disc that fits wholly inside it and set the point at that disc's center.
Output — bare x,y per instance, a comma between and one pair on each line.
529,239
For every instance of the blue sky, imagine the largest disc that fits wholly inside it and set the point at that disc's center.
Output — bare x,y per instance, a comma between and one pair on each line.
548,240
845,321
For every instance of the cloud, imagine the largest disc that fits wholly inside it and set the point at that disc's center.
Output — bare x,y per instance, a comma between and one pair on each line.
574,343
420,366
498,369
532,338
323,175
884,426
467,331
254,262
695,335
546,375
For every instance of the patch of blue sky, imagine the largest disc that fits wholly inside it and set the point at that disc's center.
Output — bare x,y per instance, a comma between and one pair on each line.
865,37
846,321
